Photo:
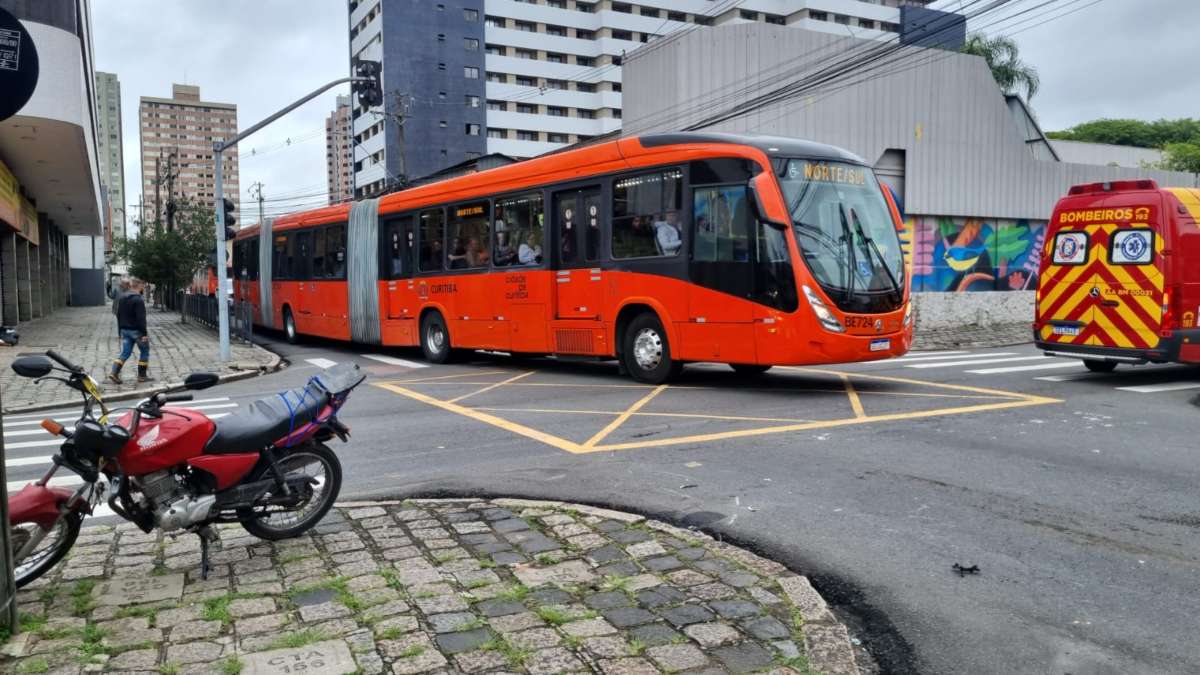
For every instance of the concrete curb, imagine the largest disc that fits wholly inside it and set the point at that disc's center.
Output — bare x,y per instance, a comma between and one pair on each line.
826,640
271,366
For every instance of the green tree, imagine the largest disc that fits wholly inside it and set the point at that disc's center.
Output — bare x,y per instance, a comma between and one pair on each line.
1182,157
169,259
1004,59
1156,134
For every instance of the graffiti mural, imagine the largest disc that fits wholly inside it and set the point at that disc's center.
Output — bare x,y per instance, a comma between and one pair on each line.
973,254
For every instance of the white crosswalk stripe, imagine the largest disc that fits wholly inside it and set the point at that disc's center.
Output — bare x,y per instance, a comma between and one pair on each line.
1020,369
1156,388
322,363
393,361
977,362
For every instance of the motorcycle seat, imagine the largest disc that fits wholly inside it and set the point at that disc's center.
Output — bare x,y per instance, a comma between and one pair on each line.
266,420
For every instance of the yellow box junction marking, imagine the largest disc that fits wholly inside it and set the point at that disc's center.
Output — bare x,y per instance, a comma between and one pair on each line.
998,400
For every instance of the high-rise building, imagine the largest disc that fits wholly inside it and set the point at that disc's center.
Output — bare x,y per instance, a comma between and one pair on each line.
337,152
463,78
51,204
112,159
177,137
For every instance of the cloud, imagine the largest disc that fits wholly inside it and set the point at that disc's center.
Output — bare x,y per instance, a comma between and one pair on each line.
260,55
1115,58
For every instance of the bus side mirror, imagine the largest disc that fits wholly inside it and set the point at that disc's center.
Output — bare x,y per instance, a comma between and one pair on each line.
770,211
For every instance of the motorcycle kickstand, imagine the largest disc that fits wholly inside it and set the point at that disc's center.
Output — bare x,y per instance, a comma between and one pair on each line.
206,535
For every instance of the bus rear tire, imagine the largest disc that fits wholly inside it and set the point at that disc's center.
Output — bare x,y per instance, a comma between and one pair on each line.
749,369
289,326
1099,366
646,351
435,339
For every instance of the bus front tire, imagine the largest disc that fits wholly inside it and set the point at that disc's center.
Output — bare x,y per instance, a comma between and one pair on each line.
435,339
1099,366
749,369
647,353
289,326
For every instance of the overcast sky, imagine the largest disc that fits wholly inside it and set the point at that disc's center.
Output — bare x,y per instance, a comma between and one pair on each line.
1115,58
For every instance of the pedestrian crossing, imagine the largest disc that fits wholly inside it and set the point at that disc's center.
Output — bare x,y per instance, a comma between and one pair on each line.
28,448
1167,378
378,358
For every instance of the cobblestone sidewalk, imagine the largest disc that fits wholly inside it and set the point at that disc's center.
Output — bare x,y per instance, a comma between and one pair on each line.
88,336
445,586
973,336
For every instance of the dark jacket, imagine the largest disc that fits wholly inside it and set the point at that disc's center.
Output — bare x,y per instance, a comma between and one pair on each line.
131,313
117,300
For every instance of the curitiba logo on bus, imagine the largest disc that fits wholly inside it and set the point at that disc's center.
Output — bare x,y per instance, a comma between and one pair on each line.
834,174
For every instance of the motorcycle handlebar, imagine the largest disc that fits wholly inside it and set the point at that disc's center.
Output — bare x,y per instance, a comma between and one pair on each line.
63,361
175,398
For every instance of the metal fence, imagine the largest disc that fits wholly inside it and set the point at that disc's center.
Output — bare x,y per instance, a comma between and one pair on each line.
202,309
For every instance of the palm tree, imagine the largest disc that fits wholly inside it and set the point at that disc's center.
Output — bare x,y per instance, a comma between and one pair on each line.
1003,57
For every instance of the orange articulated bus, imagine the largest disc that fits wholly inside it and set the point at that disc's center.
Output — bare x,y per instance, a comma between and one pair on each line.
1120,276
654,250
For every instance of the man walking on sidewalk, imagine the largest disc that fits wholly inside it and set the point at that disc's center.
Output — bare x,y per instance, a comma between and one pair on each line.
131,322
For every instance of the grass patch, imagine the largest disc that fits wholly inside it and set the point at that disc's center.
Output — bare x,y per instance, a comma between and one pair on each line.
341,589
487,564
799,664
573,641
547,559
217,609
415,650
34,665
169,669
31,623
615,583
93,646
81,597
515,656
48,594
797,621
232,666
159,570
292,557
553,615
636,647
478,583
148,613
444,557
301,638
392,633
393,581
517,592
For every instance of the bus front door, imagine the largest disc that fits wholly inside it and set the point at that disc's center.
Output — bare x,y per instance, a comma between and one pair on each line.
579,286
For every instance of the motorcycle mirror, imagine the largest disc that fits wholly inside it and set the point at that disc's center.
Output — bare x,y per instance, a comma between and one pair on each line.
32,366
195,380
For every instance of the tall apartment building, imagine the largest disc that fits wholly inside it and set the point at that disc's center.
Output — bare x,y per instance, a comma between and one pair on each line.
112,158
463,78
177,137
337,152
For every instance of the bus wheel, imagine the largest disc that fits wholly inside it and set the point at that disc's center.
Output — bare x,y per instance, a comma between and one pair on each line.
435,338
647,354
1100,366
289,326
749,369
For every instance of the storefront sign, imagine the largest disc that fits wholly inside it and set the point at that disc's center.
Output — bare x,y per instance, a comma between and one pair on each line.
10,198
29,222
18,65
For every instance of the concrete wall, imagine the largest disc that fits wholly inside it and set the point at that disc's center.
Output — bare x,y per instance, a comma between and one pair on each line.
941,311
87,288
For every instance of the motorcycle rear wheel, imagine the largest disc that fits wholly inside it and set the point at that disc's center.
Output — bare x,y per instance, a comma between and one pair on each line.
315,460
57,542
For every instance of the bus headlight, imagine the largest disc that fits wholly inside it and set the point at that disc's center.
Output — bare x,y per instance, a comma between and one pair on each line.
908,314
826,317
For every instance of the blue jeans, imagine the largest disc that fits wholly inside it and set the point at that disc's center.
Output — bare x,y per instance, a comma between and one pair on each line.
128,339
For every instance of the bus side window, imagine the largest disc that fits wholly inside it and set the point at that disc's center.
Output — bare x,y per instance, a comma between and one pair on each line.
281,268
645,218
252,263
302,255
518,238
722,239
433,231
335,252
318,254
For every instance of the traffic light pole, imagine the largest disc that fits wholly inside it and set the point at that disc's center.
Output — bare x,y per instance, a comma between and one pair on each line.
220,147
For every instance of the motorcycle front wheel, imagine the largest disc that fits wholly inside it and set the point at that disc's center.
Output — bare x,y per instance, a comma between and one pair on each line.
273,521
57,541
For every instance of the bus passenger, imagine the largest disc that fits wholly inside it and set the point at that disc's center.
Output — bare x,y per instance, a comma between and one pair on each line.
458,255
476,255
530,252
666,234
505,255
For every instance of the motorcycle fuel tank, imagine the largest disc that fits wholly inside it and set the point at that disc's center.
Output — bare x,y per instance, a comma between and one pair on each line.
176,437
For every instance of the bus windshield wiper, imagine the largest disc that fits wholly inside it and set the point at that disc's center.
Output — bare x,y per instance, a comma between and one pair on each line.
872,248
853,266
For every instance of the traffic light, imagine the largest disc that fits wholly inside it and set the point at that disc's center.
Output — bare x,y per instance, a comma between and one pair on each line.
230,221
370,91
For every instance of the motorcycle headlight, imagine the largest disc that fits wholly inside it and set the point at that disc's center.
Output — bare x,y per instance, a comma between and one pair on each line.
826,317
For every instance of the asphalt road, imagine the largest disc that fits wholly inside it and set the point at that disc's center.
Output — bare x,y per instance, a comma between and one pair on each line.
1074,493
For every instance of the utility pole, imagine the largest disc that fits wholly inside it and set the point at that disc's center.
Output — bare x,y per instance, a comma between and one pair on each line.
365,84
172,174
157,192
257,193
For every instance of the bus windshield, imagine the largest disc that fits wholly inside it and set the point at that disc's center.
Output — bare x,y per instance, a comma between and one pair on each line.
845,233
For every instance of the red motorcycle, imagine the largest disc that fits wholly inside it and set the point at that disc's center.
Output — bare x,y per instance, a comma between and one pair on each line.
267,466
